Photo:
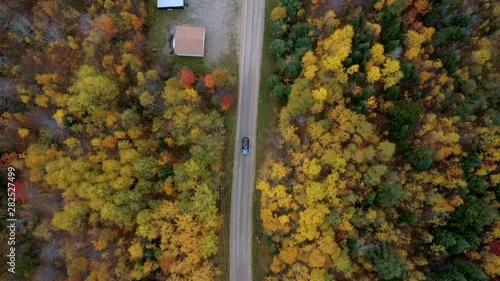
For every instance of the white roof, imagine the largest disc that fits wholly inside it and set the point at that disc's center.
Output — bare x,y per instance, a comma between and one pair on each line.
170,3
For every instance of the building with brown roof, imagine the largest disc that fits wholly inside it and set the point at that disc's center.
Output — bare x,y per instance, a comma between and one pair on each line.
189,41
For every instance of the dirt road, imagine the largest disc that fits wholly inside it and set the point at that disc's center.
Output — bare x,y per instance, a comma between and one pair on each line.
251,36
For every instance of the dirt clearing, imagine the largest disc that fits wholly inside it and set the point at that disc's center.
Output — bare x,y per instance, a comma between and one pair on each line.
220,19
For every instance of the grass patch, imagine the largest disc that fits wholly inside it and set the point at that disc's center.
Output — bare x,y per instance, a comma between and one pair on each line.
230,61
265,119
262,246
160,24
198,65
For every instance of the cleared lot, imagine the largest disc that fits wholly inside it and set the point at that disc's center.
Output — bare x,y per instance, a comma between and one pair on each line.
219,17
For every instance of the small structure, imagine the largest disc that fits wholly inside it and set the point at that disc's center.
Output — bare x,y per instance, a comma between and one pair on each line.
189,41
171,4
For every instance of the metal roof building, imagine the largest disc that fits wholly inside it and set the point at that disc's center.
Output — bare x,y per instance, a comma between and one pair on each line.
170,4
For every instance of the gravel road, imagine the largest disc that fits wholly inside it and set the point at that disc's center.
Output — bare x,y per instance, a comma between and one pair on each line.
251,39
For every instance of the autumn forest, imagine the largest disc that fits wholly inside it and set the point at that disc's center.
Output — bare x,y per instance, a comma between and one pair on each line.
381,159
119,155
384,160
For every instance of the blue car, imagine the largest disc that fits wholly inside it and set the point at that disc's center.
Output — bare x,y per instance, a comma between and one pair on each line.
245,145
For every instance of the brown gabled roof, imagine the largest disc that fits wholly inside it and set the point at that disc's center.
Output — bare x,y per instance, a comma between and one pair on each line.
189,41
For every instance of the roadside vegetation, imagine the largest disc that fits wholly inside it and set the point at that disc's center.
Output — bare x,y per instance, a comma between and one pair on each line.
385,160
120,152
262,251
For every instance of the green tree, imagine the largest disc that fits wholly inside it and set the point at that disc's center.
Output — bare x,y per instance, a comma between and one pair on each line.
452,24
293,67
407,217
281,92
392,93
389,195
421,158
410,73
144,168
397,7
403,116
272,81
474,214
393,34
477,185
453,242
298,38
460,270
450,60
386,262
373,175
277,48
467,107
292,7
130,117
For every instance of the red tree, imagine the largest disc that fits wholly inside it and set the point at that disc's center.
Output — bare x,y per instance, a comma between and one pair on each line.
495,247
187,78
226,102
209,81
